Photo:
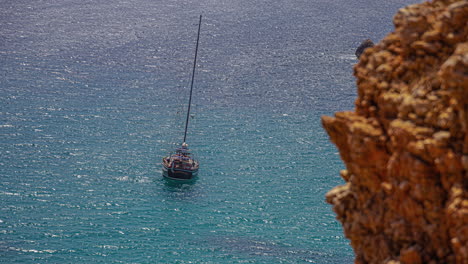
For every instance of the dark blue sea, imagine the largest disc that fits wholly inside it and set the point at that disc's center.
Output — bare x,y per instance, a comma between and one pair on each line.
93,94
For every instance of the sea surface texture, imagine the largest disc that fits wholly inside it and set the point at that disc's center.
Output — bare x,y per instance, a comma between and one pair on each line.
93,95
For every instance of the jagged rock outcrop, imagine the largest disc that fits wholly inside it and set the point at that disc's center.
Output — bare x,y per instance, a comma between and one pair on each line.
405,146
364,45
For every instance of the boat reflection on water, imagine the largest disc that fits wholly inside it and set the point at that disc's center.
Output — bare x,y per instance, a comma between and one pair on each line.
177,185
181,190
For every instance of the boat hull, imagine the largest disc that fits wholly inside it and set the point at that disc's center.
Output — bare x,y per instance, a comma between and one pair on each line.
178,174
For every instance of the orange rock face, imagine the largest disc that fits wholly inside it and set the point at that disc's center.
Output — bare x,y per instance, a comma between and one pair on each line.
405,146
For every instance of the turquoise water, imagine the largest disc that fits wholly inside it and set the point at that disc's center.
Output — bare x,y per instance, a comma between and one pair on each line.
92,96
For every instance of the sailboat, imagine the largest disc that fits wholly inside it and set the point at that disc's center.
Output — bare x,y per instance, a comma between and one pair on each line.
181,164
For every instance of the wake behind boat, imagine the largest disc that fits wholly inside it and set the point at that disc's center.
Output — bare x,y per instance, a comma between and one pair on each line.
182,165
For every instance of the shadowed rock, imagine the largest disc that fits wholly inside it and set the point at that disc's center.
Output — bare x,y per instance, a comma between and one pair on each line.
364,45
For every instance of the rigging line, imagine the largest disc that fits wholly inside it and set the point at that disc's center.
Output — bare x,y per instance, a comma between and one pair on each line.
193,77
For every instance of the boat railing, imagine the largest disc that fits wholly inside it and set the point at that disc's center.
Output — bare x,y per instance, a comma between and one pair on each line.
181,161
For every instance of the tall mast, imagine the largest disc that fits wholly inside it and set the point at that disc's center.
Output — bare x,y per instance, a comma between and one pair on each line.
193,77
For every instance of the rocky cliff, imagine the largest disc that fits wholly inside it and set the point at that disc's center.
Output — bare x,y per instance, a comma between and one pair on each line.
405,147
